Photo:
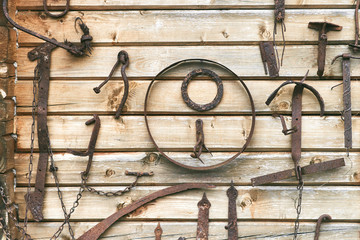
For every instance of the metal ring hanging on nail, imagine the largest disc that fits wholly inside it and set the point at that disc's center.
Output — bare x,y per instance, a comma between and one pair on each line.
196,106
252,105
47,12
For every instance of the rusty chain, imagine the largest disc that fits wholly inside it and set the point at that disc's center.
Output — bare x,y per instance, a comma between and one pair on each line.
298,202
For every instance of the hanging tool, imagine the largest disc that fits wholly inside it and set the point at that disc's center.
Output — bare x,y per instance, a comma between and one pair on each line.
279,17
77,50
35,199
323,28
158,232
122,58
295,130
96,231
202,232
346,98
66,10
268,58
356,45
200,141
324,217
232,228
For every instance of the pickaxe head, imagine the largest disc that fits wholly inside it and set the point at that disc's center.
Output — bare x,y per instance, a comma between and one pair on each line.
324,27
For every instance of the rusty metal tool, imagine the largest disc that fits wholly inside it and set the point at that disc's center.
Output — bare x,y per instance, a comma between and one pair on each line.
356,45
214,102
202,232
242,84
122,58
279,17
96,231
35,199
59,15
323,28
269,59
324,217
77,50
158,232
346,97
200,140
232,228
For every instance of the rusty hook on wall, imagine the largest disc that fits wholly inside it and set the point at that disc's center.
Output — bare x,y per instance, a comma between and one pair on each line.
47,12
324,217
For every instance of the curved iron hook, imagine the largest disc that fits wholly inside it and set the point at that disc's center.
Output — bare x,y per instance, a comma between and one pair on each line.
47,12
310,88
324,217
122,58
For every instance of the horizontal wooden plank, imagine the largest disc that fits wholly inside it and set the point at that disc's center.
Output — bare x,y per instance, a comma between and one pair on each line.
147,61
177,133
183,4
234,100
127,230
109,168
177,27
252,203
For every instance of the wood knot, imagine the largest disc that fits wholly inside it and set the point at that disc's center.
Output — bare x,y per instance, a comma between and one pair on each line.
120,205
109,172
356,176
315,160
248,199
284,106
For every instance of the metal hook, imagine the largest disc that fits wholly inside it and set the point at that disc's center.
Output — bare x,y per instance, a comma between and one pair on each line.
67,7
285,130
324,217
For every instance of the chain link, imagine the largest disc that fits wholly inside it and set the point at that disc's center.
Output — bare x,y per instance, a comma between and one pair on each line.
298,202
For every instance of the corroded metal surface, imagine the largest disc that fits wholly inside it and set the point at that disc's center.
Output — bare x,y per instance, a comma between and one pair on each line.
35,199
47,12
324,217
158,232
323,28
200,140
269,60
122,58
250,132
95,232
202,232
202,107
232,228
355,46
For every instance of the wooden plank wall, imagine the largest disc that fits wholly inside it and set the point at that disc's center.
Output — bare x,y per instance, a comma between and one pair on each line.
155,34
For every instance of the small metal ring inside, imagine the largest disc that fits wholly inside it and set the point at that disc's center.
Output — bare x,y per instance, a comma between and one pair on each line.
196,106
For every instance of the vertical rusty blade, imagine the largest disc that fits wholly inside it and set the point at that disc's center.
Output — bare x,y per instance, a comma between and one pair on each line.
347,102
232,228
269,59
296,123
158,232
202,232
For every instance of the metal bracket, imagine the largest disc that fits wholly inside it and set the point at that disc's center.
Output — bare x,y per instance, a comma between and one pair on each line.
323,28
269,59
158,232
232,228
279,17
202,232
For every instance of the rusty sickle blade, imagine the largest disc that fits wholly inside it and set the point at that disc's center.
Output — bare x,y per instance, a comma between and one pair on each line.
202,232
309,169
269,59
158,232
323,28
95,232
324,217
35,199
122,58
232,228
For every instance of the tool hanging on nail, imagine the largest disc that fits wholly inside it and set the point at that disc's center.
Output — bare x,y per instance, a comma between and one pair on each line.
269,59
47,12
279,17
75,49
232,227
323,28
346,113
324,217
356,45
96,231
295,130
122,58
200,141
202,232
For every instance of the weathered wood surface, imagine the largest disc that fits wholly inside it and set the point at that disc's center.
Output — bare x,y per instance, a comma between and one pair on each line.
109,168
174,230
146,63
224,133
265,202
78,97
185,4
187,27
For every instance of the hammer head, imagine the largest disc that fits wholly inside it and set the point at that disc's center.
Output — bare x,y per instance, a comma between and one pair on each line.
326,26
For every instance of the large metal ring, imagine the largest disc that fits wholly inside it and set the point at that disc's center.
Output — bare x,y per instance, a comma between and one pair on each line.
191,103
252,115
